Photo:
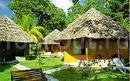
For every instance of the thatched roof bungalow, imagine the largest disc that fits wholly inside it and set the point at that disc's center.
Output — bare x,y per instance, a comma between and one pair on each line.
13,40
50,38
94,36
93,24
49,44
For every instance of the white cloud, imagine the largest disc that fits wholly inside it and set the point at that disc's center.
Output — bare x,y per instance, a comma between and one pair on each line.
3,5
64,4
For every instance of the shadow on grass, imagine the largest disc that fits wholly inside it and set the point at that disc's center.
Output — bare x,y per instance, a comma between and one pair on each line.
5,66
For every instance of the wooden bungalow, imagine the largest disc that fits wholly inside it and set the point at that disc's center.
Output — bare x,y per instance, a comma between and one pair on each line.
94,36
49,44
13,40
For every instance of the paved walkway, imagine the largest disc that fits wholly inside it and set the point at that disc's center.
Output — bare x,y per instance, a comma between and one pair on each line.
56,69
49,78
20,67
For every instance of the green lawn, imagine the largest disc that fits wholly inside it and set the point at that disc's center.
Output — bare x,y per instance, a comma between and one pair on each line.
48,63
74,74
5,72
71,74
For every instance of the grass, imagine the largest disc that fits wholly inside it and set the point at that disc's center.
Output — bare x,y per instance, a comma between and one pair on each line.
48,63
71,74
74,74
5,72
67,75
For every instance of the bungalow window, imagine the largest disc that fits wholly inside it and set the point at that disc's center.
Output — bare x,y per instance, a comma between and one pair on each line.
123,45
78,47
92,44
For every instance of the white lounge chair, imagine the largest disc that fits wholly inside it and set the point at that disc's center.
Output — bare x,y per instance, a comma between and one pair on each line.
120,66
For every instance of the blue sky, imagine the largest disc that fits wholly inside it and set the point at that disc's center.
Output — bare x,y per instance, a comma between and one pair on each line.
4,9
64,4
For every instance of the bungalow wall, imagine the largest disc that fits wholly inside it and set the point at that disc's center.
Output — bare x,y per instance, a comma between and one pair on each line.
116,48
95,49
8,50
68,52
51,48
57,48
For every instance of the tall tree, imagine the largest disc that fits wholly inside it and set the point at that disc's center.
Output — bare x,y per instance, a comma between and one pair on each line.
28,24
117,10
75,1
74,11
49,16
78,9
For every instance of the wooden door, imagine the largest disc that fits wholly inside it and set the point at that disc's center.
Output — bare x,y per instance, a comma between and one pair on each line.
1,57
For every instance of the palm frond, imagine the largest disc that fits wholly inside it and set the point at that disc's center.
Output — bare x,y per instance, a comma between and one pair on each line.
34,38
27,22
36,33
39,28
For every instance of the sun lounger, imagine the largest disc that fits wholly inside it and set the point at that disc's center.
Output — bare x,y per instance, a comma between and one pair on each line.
120,66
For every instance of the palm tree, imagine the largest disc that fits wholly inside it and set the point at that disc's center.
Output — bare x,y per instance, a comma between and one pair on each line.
28,24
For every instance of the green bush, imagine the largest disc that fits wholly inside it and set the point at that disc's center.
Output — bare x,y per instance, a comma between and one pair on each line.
39,59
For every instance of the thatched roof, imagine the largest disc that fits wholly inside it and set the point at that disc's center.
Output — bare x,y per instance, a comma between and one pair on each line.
49,39
93,24
10,32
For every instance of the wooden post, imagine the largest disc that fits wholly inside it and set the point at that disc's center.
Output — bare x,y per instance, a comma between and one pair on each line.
87,50
118,53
